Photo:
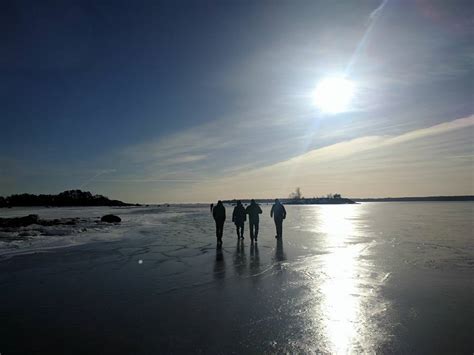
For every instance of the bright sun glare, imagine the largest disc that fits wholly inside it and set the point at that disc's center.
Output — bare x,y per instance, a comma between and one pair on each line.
334,94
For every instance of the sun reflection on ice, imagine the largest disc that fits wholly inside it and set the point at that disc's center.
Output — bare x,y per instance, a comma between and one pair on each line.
340,302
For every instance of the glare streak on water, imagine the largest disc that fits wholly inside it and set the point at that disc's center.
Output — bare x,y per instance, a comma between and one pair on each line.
340,304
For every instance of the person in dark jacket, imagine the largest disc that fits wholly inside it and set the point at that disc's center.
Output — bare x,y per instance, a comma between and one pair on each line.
239,217
218,212
253,210
278,213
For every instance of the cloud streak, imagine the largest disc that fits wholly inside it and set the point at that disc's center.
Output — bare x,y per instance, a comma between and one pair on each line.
423,159
99,173
386,162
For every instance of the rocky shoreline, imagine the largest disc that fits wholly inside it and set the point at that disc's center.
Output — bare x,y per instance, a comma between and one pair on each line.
21,228
25,221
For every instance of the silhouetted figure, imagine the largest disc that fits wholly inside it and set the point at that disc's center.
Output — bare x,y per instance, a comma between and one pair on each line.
278,213
211,206
239,217
218,212
253,210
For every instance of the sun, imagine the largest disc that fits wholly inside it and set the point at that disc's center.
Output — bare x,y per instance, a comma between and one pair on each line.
334,94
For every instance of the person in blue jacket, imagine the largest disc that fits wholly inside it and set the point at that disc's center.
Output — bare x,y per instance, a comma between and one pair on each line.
278,213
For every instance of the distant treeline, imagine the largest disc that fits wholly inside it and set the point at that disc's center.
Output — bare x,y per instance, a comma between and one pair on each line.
66,198
413,199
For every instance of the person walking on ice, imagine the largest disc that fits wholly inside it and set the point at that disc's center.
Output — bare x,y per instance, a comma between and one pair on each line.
278,213
218,212
239,217
253,210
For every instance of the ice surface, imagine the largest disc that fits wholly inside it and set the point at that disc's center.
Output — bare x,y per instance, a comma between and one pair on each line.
373,277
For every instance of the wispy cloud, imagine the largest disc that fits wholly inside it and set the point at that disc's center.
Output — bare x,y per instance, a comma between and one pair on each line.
434,130
335,167
189,158
418,160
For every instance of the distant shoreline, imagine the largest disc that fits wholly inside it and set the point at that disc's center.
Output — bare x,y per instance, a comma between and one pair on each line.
334,201
417,199
77,198
301,201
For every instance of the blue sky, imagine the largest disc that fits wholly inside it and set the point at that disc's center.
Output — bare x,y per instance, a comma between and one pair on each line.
193,101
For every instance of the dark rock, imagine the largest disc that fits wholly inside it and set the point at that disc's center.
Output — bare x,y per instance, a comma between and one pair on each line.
19,221
16,222
110,218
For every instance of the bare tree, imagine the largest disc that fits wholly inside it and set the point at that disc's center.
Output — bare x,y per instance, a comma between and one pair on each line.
297,194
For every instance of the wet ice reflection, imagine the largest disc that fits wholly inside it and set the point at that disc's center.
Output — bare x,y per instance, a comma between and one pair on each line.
340,304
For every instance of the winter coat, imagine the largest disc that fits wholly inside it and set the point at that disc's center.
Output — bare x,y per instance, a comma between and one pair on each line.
239,215
218,212
278,211
253,210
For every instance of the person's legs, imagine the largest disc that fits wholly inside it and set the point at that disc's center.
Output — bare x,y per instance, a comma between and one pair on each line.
237,228
251,225
219,230
242,231
279,227
256,231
